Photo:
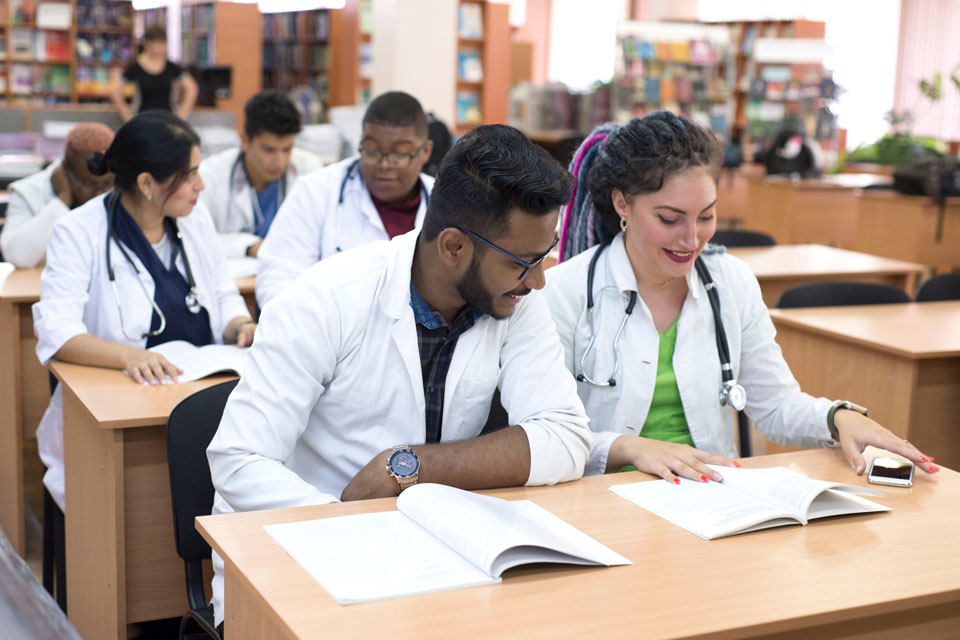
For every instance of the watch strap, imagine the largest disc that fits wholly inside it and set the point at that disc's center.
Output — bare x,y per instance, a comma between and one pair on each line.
836,406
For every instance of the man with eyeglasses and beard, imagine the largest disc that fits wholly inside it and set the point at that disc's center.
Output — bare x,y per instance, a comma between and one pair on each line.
38,201
377,194
375,369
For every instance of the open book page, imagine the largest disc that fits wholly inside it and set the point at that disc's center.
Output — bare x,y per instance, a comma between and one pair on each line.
496,534
200,362
374,556
243,266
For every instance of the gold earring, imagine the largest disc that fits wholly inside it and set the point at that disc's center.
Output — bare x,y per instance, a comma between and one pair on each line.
623,224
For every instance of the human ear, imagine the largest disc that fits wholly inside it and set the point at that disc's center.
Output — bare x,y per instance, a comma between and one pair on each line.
454,248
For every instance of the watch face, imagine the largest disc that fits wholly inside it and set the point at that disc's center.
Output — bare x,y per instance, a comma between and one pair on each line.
404,463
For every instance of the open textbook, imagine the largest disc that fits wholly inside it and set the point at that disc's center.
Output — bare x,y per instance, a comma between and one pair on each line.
440,538
200,362
747,500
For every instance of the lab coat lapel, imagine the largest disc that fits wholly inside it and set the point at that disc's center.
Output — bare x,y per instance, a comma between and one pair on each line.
395,303
462,355
404,334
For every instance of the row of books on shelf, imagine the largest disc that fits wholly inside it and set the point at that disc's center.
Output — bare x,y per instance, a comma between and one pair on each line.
470,65
285,79
817,123
25,79
365,20
283,54
197,17
303,25
470,21
104,48
196,49
688,51
683,90
791,91
468,107
93,80
39,45
104,13
154,16
366,60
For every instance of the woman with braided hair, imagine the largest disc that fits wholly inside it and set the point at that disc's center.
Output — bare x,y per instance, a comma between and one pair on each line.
665,333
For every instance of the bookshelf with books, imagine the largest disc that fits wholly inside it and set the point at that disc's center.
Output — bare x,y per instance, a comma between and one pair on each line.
483,64
682,67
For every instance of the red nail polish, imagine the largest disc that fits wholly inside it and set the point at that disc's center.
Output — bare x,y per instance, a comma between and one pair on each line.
737,464
676,481
704,478
933,468
924,459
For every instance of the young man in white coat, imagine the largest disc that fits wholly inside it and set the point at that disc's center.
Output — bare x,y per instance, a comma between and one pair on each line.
38,201
376,196
375,369
247,184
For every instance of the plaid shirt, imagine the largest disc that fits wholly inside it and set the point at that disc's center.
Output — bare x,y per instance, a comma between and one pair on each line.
436,340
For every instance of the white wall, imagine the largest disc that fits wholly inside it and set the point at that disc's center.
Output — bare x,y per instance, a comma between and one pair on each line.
415,50
583,36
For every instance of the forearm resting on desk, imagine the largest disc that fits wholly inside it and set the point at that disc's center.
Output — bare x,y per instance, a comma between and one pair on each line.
500,459
141,365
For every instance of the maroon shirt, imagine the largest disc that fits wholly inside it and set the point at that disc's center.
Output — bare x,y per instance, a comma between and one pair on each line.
398,217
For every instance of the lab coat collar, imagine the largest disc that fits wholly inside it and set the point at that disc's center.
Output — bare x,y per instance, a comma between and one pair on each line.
620,271
395,300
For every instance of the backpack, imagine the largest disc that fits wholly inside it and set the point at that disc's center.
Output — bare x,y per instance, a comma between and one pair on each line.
931,175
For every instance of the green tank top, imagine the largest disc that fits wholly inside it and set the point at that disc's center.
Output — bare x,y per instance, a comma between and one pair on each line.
666,420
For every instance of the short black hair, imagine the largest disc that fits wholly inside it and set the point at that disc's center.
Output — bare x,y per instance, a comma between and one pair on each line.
270,111
397,109
155,33
489,172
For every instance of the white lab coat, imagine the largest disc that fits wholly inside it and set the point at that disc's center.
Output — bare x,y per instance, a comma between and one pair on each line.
33,210
228,195
334,378
311,225
76,298
774,400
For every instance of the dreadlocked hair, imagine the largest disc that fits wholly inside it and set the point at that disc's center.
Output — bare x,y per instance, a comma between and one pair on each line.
636,158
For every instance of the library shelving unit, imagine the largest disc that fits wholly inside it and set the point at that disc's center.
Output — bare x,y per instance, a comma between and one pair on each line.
483,64
62,52
682,67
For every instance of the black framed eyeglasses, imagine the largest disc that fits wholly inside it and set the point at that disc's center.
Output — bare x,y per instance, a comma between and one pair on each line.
397,159
527,266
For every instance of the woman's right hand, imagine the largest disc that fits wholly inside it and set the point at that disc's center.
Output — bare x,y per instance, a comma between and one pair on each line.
665,459
147,367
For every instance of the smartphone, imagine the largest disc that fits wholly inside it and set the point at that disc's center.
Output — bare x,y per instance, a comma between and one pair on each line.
892,471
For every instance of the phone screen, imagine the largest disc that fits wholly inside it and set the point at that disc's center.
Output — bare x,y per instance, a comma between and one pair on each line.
894,469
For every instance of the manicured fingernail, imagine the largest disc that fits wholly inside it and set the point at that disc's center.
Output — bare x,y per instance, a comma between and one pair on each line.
933,468
704,478
737,464
924,459
676,481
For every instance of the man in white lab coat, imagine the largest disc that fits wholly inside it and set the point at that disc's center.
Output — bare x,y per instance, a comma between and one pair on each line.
38,201
376,196
375,369
246,185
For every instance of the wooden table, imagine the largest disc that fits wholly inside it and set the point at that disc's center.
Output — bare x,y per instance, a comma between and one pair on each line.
25,390
900,361
896,572
122,564
783,266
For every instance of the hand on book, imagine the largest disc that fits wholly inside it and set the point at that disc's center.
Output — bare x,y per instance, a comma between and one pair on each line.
245,333
372,481
857,431
665,459
147,367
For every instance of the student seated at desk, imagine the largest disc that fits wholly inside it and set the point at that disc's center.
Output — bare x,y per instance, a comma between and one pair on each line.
376,196
38,201
644,314
135,268
245,186
376,368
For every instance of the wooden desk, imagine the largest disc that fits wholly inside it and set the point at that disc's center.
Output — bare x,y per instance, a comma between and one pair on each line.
783,266
25,390
122,564
896,573
906,228
900,361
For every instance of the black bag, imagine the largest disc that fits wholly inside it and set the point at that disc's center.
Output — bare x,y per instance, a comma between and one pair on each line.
932,175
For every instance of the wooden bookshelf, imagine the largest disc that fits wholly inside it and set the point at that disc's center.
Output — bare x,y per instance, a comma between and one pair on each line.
483,64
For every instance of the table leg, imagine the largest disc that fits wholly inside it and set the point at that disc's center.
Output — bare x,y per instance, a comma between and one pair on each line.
11,435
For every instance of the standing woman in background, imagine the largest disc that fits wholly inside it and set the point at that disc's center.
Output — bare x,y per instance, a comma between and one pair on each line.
666,335
137,267
161,84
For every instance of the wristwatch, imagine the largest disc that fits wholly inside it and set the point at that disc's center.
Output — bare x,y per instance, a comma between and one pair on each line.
404,465
841,404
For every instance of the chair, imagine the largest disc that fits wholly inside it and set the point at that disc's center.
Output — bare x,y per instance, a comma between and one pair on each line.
738,238
190,428
943,287
839,294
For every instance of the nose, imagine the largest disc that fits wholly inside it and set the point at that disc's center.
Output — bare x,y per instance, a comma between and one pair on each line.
688,241
199,186
536,278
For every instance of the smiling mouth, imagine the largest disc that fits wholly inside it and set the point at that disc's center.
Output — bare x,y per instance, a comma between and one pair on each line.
679,256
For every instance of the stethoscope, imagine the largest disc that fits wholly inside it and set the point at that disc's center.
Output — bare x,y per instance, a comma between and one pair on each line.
192,298
732,394
350,173
258,218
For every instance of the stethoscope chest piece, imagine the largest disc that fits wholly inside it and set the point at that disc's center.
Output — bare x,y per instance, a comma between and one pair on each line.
193,301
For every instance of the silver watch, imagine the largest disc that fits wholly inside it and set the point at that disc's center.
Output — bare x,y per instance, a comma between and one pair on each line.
404,465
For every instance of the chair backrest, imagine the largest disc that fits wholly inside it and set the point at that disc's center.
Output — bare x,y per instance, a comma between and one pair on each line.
943,287
839,294
737,238
190,428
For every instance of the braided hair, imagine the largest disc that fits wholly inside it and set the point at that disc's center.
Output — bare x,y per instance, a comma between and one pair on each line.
636,158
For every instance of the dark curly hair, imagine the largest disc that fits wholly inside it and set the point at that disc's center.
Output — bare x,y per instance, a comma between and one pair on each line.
270,111
636,158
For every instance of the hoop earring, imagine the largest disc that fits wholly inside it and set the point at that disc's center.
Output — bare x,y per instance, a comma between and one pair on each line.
623,224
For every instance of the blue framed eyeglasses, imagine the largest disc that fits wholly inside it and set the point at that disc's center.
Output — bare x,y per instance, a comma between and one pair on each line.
527,266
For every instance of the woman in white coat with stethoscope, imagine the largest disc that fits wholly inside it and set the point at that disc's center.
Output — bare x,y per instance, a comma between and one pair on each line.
134,268
665,334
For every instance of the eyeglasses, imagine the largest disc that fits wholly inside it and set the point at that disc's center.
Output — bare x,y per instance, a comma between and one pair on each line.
397,159
527,266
